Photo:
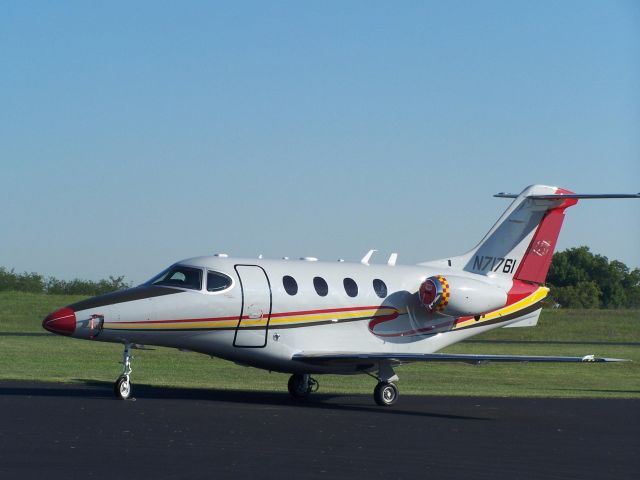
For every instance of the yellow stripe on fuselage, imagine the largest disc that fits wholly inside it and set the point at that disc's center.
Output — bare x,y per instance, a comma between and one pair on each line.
331,316
535,297
169,325
258,322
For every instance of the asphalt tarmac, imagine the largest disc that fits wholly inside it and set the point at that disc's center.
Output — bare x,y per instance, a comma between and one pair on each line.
50,431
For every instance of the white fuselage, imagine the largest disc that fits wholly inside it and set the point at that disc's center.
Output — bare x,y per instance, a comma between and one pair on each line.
255,321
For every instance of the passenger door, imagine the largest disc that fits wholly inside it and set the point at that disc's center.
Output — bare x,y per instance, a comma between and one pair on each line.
255,313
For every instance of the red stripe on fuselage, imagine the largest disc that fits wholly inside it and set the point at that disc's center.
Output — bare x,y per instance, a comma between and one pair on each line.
246,317
329,310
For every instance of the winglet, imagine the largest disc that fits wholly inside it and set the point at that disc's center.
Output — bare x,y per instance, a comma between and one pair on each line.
593,358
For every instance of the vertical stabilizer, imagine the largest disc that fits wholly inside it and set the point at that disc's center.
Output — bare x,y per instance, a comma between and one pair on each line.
521,243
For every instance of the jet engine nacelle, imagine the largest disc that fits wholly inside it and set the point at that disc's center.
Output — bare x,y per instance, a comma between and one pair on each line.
460,296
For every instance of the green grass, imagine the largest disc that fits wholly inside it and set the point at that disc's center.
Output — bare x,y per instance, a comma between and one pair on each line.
60,359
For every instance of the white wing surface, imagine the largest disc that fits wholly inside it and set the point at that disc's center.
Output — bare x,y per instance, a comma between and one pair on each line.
323,358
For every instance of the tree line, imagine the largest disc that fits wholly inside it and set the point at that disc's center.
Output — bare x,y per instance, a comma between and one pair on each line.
36,283
581,279
577,278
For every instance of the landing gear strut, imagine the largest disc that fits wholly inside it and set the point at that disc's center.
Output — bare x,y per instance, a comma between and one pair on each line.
386,393
122,387
301,386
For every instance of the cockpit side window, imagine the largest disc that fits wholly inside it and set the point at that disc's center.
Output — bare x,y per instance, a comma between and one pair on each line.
217,281
179,276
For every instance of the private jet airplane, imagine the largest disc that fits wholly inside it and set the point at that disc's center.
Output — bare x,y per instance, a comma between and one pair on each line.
308,317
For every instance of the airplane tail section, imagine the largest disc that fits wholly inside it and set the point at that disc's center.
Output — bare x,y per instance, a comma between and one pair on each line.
520,245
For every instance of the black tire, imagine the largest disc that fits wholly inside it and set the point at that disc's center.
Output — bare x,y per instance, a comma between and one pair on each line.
122,388
385,394
297,387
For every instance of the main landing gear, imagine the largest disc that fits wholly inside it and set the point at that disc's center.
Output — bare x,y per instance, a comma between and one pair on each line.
386,393
122,387
302,385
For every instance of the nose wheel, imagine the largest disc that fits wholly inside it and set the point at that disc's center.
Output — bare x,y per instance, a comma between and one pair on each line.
122,387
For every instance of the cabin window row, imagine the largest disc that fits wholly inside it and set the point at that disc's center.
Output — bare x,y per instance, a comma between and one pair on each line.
322,288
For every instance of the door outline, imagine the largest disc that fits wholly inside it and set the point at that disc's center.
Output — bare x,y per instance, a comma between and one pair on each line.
266,328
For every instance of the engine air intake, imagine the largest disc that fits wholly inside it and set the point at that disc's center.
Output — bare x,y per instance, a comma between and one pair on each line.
434,293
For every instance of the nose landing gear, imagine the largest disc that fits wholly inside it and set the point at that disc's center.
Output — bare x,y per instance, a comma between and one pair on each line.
122,387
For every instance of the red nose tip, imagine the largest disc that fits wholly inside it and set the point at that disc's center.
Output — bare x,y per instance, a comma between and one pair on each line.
61,321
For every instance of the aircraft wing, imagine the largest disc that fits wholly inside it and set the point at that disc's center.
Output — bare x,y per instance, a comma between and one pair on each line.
365,359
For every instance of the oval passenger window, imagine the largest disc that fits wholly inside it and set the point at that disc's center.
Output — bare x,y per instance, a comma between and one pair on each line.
321,286
380,288
290,285
351,287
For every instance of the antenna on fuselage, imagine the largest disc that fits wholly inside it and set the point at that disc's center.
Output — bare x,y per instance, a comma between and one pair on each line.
392,259
367,257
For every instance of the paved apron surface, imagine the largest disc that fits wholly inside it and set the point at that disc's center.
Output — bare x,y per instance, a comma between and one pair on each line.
78,431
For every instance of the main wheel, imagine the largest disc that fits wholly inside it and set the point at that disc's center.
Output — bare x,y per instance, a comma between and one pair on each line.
122,388
298,386
385,394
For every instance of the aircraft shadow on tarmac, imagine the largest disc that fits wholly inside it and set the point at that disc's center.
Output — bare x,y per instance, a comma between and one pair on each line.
104,390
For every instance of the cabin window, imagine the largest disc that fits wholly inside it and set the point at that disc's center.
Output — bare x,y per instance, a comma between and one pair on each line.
217,281
321,286
179,276
380,288
351,287
290,284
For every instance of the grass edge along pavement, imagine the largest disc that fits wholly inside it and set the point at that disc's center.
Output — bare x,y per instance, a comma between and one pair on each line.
611,333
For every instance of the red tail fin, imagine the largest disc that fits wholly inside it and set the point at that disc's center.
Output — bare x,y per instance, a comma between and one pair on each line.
537,259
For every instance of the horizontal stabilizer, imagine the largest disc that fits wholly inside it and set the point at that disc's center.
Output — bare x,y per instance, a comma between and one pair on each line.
560,196
369,358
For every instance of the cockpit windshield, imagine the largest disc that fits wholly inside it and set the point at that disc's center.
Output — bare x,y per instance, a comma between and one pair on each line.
179,276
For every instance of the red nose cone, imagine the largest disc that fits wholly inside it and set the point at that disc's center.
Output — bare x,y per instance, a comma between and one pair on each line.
62,321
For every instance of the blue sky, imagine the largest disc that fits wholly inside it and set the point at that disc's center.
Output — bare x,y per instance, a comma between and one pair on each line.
134,134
